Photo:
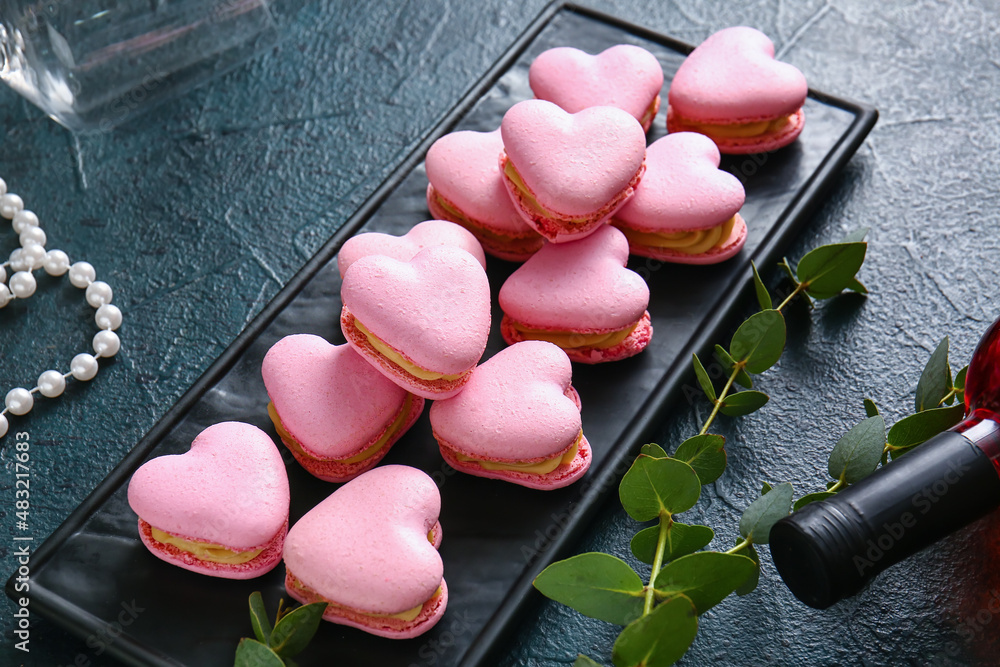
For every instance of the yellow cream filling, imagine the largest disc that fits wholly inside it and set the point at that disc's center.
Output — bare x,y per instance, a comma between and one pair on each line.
215,553
568,340
690,242
400,360
531,202
392,430
460,218
741,130
647,117
537,468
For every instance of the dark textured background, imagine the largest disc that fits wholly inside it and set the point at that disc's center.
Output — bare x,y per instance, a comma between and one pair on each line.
198,212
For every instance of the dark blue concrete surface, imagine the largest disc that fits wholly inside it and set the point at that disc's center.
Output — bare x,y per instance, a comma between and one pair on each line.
198,212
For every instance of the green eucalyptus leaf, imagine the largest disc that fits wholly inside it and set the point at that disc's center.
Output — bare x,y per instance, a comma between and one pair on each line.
682,540
584,661
856,285
830,269
757,519
960,384
750,585
935,380
811,498
915,429
705,577
296,629
759,341
763,298
703,379
654,450
743,403
857,453
765,488
857,236
596,585
871,409
652,486
658,639
742,377
252,653
258,618
706,454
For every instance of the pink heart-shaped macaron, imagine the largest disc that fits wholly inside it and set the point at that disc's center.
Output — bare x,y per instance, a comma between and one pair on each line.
403,248
368,548
518,407
624,76
433,310
577,169
732,77
230,489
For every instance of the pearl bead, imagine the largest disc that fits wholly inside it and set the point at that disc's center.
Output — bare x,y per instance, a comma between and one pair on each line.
106,344
82,274
18,262
10,204
56,263
23,220
33,235
22,284
3,275
108,317
19,401
51,384
4,295
3,187
3,425
83,367
98,294
33,255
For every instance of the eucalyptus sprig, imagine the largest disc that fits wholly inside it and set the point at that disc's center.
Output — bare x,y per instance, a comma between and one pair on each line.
660,611
276,646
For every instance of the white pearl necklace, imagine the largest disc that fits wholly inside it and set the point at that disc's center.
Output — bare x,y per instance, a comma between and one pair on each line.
30,257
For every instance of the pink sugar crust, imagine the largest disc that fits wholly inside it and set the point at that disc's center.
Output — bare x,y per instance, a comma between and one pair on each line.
365,546
403,248
261,564
512,249
683,188
230,489
732,77
581,286
330,400
558,478
745,145
737,239
390,628
462,167
635,343
573,164
434,309
433,389
624,76
516,407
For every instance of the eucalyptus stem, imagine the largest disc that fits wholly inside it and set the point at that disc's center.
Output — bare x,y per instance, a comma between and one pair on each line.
722,396
739,547
799,288
661,546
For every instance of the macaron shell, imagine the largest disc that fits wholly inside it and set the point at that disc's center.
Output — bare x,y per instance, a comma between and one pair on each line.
729,248
514,408
557,479
581,286
434,309
683,188
230,488
403,248
366,546
732,77
261,564
574,164
624,76
631,346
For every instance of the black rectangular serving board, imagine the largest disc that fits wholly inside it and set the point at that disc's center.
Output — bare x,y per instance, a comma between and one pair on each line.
497,536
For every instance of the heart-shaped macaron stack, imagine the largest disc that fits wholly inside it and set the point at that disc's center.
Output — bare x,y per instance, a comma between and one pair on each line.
220,508
422,235
624,76
465,186
370,551
517,420
686,210
732,89
580,296
336,413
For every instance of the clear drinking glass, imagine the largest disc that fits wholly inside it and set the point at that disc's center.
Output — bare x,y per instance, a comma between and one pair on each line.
92,64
